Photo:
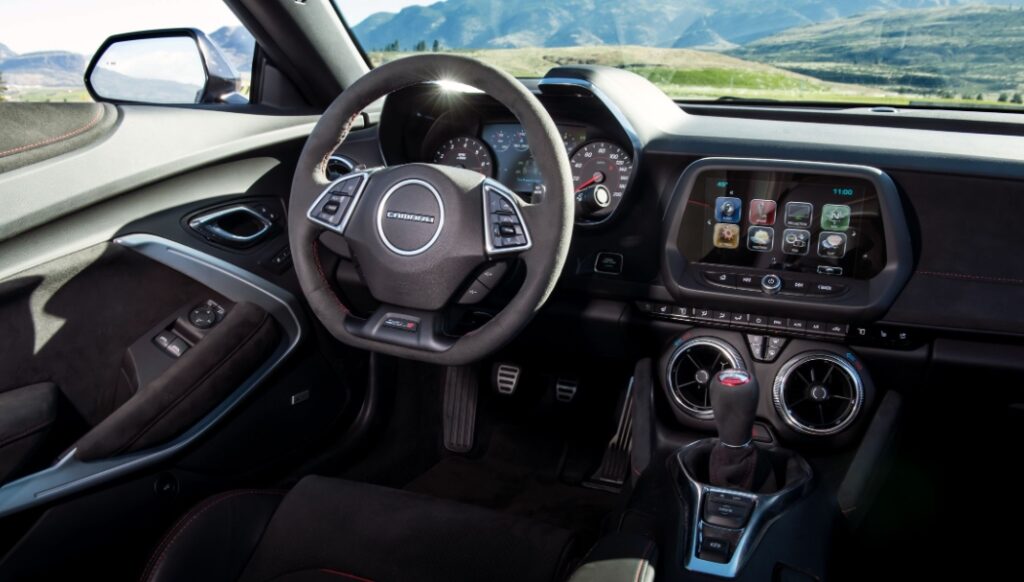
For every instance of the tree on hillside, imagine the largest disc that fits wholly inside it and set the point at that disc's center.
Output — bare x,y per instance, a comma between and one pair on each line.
421,46
392,47
1017,98
437,46
1003,97
980,97
3,87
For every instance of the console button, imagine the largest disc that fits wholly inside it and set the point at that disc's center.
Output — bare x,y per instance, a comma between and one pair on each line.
681,311
739,318
827,288
829,270
714,550
722,316
718,278
756,343
607,263
663,309
748,281
816,327
776,342
771,284
644,306
770,354
761,434
838,328
796,286
701,313
758,320
777,322
727,512
797,324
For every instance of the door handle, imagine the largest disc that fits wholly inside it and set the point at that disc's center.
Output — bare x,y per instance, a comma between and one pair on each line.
211,225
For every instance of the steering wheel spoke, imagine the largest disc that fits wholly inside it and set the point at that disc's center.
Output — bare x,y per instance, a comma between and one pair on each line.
505,228
408,328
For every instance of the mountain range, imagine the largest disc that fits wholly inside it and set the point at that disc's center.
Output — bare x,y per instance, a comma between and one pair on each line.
707,24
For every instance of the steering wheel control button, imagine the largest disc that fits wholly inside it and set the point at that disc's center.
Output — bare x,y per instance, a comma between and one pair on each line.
410,217
475,293
771,284
332,208
492,275
402,324
608,263
505,229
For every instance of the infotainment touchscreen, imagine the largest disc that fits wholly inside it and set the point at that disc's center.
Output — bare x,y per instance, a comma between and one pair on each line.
807,223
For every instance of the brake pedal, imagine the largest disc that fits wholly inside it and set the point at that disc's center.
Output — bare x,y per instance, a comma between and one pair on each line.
506,378
461,390
565,389
611,475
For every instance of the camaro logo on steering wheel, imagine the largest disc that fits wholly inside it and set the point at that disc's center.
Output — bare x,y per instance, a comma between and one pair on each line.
409,216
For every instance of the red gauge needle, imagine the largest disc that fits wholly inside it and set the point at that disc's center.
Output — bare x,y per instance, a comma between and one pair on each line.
597,176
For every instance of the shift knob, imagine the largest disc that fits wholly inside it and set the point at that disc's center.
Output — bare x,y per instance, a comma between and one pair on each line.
734,400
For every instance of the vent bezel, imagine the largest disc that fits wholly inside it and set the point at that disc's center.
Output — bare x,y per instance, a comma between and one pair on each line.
732,356
795,363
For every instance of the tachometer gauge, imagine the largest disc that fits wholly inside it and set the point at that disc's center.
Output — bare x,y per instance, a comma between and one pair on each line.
601,162
466,152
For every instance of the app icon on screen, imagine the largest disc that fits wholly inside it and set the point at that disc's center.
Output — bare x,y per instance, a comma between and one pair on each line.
796,241
762,212
832,245
835,217
799,214
761,238
727,236
728,209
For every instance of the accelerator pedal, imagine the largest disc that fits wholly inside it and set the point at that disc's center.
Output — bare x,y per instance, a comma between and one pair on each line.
614,469
461,389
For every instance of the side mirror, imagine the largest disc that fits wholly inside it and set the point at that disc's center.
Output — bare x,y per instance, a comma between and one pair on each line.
173,66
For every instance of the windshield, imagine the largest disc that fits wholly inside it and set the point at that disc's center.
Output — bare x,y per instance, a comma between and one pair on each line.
928,53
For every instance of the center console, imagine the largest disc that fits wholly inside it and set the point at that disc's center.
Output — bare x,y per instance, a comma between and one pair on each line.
775,268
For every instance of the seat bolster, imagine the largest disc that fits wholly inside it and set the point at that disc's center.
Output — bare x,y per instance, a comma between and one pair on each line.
214,540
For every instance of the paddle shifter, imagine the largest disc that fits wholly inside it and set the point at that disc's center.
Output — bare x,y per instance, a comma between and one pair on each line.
734,461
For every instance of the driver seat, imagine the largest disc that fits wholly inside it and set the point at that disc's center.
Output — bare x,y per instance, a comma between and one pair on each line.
334,530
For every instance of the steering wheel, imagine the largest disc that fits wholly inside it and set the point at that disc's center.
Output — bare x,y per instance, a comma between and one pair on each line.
419,233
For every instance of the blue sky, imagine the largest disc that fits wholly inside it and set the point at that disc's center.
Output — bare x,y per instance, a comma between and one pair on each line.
81,25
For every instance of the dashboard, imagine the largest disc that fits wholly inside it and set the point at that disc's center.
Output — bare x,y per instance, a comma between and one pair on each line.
857,219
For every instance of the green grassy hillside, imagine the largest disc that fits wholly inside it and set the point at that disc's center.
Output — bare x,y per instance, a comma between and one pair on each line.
946,51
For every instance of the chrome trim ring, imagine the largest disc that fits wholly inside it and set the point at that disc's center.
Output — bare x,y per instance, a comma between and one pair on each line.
731,355
382,205
783,376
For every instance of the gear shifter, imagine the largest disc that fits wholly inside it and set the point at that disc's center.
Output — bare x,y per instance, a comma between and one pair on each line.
734,460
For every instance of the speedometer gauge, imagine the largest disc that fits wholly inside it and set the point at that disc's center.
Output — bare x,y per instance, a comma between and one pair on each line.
602,162
466,152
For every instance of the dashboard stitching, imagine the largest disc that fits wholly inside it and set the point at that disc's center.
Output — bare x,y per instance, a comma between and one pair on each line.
984,278
96,119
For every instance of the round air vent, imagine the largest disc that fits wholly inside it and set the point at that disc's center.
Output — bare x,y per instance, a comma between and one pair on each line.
338,166
818,393
690,370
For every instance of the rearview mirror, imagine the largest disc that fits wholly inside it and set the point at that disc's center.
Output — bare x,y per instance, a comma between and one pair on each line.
175,66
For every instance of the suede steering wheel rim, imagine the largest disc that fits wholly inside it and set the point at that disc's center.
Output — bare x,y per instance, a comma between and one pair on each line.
417,232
